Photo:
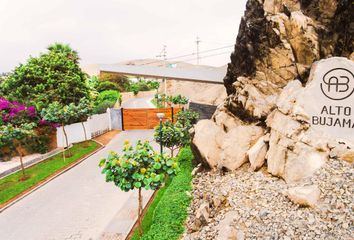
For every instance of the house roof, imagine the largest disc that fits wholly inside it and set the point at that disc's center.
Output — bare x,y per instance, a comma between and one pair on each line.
214,76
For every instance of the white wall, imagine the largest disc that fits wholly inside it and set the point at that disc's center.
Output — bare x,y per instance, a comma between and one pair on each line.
75,133
99,123
95,125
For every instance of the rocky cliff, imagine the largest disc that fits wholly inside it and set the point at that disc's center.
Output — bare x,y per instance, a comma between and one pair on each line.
277,44
263,125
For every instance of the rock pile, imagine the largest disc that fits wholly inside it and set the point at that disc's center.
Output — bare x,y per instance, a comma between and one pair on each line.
304,188
248,205
280,46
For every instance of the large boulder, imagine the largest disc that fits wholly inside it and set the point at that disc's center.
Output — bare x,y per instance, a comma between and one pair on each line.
305,196
235,145
257,153
206,142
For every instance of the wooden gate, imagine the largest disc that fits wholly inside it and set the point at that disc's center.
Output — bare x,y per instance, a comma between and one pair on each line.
145,118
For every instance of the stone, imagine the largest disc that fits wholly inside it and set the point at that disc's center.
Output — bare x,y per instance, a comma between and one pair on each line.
303,38
226,119
205,143
202,213
348,156
292,160
235,145
304,196
256,154
284,124
328,97
257,103
342,150
302,162
287,98
276,154
225,229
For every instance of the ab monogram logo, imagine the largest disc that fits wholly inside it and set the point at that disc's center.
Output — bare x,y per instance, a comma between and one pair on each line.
338,84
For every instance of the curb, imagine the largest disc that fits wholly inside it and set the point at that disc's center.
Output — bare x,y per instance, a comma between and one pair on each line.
41,184
145,209
31,162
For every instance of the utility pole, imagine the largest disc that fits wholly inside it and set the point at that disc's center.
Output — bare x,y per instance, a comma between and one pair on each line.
197,42
163,55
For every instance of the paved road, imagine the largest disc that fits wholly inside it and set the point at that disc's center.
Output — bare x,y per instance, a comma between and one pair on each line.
79,204
144,102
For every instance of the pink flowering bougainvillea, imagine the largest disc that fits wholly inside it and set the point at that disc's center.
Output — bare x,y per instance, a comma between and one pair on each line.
17,125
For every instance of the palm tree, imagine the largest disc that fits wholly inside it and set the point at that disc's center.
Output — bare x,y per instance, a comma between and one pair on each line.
64,49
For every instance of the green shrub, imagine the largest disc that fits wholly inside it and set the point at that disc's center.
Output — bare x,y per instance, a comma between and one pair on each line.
102,106
107,85
122,81
106,99
108,95
38,144
142,85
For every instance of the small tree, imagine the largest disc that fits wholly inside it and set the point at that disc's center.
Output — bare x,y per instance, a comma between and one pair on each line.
173,136
138,167
11,134
17,123
83,110
187,118
179,99
57,113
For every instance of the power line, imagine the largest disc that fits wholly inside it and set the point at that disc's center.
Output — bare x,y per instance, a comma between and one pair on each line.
197,42
207,56
163,53
192,54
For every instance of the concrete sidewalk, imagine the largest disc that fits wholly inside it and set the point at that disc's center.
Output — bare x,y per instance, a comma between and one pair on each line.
144,102
14,164
79,204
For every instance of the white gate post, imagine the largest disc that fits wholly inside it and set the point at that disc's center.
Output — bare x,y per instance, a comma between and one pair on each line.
109,118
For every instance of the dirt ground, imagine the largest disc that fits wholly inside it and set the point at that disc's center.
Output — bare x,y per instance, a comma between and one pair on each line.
104,139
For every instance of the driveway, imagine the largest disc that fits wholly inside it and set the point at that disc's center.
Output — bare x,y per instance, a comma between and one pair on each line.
78,204
144,102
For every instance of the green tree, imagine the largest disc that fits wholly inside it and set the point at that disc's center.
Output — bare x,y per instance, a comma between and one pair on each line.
57,113
153,84
179,99
122,82
17,123
83,110
138,167
107,85
187,118
54,76
12,134
172,136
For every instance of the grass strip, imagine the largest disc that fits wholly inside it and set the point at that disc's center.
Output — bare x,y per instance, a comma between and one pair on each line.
12,185
166,216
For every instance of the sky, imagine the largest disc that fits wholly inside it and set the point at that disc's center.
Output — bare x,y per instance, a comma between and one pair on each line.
112,31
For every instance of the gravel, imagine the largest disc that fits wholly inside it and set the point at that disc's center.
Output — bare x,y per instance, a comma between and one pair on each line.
262,211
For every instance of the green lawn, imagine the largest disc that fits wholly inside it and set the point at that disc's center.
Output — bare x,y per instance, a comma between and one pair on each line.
167,214
11,185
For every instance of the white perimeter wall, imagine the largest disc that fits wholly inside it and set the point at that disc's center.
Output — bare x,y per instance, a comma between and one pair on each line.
95,125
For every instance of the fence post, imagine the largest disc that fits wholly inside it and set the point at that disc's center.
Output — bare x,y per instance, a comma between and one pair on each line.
122,117
109,119
172,114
